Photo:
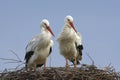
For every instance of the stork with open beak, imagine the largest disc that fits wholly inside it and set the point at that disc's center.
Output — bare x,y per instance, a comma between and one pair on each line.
40,47
70,42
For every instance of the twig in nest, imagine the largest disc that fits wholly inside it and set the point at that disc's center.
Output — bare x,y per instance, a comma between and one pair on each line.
90,58
8,59
18,60
19,65
58,75
12,60
107,67
16,55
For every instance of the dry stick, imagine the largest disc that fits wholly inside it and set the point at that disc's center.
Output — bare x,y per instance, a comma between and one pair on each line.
58,75
19,65
11,62
8,59
14,60
18,60
90,58
109,67
16,55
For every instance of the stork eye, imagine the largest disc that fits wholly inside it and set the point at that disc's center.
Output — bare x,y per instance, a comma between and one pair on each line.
68,19
45,24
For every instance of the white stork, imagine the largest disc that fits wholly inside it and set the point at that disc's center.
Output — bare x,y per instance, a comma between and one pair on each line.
40,47
70,42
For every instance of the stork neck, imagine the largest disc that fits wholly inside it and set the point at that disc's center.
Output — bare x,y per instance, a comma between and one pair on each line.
68,32
46,34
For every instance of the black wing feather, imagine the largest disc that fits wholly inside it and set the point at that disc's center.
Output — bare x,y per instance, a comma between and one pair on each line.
80,48
28,55
50,50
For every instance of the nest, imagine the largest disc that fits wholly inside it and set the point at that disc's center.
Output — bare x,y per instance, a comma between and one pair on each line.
85,72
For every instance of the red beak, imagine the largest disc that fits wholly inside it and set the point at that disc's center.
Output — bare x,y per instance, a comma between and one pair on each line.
49,29
71,23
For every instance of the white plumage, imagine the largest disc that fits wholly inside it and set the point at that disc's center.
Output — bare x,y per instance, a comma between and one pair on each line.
39,48
70,42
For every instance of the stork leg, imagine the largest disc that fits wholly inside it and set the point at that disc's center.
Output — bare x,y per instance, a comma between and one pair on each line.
34,66
75,62
67,66
45,66
27,68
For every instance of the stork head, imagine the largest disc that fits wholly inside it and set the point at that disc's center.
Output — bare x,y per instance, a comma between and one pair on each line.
45,25
69,21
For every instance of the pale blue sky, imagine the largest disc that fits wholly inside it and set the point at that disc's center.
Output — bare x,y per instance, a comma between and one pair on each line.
98,22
